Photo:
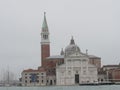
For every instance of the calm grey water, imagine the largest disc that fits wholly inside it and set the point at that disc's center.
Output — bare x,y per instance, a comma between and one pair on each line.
103,87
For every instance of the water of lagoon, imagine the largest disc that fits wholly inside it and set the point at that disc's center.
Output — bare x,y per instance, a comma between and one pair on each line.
102,87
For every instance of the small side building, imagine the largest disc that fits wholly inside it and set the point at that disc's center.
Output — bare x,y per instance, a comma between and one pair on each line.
109,73
114,75
94,60
32,77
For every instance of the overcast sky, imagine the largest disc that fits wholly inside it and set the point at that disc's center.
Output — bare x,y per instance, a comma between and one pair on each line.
94,24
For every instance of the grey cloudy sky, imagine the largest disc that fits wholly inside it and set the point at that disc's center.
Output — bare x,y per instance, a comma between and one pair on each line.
95,25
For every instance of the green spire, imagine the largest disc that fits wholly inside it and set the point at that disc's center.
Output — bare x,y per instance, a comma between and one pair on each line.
44,25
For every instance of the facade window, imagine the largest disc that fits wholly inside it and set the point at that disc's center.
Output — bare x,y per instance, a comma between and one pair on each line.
54,69
25,81
69,60
42,81
30,73
37,73
37,81
58,62
69,67
84,72
42,73
54,81
62,73
25,77
91,72
84,60
84,67
79,68
76,71
49,71
69,72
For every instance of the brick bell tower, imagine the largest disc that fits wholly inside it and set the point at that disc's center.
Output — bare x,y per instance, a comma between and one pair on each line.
45,41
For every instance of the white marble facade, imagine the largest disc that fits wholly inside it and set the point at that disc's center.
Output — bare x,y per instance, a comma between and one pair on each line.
76,69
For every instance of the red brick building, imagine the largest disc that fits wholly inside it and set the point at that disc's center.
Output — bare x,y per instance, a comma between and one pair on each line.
110,73
116,75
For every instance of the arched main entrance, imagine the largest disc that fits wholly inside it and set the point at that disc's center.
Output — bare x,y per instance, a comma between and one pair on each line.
51,83
76,78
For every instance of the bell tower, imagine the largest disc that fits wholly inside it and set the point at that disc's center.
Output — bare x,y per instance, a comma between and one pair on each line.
45,41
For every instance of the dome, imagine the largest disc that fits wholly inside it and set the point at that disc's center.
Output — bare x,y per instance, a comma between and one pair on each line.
72,48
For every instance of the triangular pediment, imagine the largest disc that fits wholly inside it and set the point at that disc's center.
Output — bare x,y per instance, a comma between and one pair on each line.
77,54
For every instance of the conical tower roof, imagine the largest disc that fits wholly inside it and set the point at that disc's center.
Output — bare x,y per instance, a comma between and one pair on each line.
44,25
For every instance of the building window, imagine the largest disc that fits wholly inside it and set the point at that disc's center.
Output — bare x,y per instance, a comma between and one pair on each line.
84,60
69,68
79,68
84,67
25,81
37,81
62,73
42,81
69,72
37,73
76,71
25,77
58,62
49,71
91,72
42,73
84,72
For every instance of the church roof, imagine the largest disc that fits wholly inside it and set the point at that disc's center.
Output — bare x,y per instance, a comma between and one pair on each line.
34,70
111,65
72,48
62,56
93,56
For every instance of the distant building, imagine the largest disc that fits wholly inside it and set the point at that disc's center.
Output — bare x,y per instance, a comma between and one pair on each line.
114,75
109,73
102,76
108,67
32,77
94,60
85,66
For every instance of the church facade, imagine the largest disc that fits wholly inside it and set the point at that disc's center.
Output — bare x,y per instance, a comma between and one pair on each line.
69,68
76,69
